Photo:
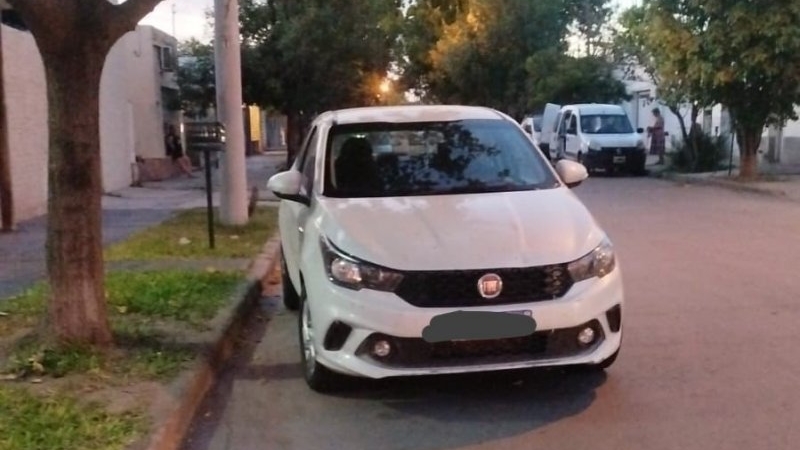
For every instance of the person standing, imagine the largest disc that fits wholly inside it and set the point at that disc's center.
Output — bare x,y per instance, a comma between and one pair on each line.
657,136
175,151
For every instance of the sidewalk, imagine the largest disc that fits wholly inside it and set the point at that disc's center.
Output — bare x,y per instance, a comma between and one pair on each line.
124,212
780,181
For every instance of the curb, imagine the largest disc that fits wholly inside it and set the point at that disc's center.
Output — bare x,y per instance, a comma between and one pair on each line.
731,185
171,434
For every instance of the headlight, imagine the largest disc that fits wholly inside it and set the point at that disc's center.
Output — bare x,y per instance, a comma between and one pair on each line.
598,263
352,273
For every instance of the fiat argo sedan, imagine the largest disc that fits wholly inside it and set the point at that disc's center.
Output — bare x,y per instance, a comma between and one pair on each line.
437,239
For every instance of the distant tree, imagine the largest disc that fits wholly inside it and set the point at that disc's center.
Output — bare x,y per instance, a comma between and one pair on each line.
590,22
74,37
506,54
557,78
744,54
637,54
302,57
422,27
196,77
480,57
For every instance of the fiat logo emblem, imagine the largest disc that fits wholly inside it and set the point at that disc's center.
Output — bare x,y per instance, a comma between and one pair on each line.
490,285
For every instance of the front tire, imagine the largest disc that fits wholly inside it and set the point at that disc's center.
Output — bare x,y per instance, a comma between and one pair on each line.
318,377
291,299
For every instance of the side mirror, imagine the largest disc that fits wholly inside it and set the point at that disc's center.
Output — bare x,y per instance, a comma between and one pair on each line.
286,186
640,130
571,172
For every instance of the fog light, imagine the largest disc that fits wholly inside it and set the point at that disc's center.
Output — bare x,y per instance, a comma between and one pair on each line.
586,336
381,348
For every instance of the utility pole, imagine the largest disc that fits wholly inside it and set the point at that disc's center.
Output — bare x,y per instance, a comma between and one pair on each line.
174,13
6,196
228,71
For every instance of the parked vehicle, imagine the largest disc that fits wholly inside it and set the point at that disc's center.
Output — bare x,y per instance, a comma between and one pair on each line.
455,248
600,137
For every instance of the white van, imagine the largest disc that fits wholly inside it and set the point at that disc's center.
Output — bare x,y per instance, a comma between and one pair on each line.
600,137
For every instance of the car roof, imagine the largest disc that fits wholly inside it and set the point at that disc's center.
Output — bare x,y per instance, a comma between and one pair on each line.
595,108
410,113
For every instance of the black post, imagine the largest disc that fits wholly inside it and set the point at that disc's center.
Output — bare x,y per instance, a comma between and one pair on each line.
209,197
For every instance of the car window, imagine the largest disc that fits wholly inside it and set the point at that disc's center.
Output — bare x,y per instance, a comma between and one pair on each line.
573,125
537,124
606,124
430,158
309,161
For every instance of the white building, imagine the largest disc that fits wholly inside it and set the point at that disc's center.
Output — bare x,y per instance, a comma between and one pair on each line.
137,86
778,145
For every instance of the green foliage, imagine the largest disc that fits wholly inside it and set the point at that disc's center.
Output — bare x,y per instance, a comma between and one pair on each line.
187,296
141,354
184,295
506,54
561,79
196,78
309,56
185,236
590,22
61,422
710,151
744,54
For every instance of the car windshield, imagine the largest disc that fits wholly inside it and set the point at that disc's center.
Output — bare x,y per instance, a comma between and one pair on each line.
606,124
431,158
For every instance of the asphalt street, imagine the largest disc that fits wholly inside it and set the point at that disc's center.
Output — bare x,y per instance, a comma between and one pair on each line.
708,359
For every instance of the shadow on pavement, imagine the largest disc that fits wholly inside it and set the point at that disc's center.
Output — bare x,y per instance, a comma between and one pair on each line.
397,413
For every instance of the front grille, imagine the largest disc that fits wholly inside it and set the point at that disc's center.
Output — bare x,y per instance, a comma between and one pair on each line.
622,150
545,344
430,289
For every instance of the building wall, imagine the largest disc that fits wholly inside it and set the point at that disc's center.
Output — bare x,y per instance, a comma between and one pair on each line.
145,93
131,114
26,103
117,134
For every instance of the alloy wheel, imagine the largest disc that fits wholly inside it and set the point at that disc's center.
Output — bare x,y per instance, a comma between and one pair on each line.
307,341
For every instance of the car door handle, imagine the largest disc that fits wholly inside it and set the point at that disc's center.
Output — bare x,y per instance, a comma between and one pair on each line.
301,229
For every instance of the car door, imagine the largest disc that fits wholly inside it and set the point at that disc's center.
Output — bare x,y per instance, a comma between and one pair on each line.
550,118
560,136
572,140
294,215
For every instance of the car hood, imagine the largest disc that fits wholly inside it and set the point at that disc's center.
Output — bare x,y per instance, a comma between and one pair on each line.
613,140
457,232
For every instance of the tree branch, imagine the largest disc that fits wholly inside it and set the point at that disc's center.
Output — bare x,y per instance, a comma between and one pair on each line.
39,15
129,13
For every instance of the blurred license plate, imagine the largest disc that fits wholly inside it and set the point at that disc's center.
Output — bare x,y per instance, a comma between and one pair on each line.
619,159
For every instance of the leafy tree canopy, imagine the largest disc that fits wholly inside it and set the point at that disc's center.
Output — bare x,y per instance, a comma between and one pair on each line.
744,54
490,52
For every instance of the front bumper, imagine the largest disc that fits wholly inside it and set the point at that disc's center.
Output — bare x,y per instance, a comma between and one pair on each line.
347,323
630,160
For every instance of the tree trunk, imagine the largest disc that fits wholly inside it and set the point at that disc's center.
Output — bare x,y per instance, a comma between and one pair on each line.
6,194
77,310
677,113
295,126
749,141
694,133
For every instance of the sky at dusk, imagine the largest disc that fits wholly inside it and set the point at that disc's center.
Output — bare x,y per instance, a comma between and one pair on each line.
190,17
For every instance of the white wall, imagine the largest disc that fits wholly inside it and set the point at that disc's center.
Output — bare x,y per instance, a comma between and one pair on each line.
26,103
145,93
117,137
131,117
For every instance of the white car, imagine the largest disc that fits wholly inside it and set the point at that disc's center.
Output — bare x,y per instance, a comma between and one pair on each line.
456,247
